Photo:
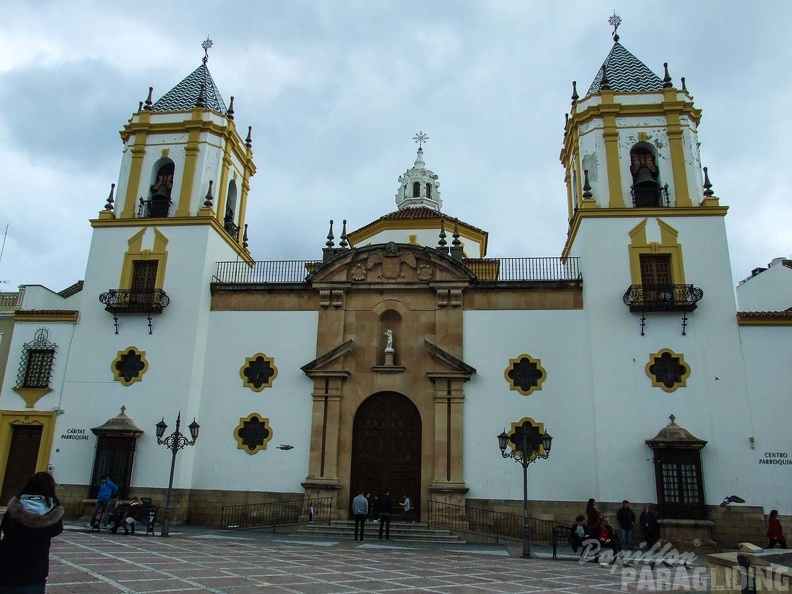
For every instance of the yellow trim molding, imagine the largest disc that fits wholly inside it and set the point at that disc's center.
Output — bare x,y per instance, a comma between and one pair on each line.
465,231
31,395
655,357
240,440
46,315
627,213
179,222
537,363
10,418
247,383
668,246
115,366
136,253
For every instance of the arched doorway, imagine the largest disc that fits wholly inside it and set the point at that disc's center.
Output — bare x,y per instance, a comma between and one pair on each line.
386,449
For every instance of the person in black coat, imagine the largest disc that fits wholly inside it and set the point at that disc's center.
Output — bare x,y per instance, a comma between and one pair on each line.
385,511
649,526
31,520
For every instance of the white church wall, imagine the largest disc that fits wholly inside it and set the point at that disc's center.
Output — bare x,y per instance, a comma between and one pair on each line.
766,351
768,290
628,409
564,404
290,339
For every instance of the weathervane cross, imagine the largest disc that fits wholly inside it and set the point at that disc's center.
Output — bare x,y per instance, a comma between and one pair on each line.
614,22
420,138
206,45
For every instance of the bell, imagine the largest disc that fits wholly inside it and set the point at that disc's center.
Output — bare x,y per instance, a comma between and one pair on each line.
643,177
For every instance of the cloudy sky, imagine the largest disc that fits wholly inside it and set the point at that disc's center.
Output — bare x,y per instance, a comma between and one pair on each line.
336,89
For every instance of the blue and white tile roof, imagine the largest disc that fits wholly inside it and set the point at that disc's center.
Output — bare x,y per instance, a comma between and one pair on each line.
183,96
626,73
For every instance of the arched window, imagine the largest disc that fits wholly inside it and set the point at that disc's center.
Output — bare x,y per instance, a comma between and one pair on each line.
645,175
159,202
228,219
416,189
429,191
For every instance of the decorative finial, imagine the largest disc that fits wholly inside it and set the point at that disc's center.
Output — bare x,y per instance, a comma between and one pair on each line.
672,418
420,138
209,198
574,92
344,243
200,102
249,139
206,45
245,238
586,187
456,242
148,101
667,77
110,199
604,83
140,106
330,243
230,112
614,22
707,185
442,242
123,409
684,88
566,123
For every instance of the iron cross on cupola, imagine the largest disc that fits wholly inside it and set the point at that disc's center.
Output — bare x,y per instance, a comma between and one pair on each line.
614,21
420,138
206,45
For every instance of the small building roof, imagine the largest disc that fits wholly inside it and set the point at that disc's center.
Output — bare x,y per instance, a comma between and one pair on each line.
674,436
119,426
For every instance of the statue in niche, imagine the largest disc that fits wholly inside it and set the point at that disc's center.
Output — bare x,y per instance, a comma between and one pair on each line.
389,343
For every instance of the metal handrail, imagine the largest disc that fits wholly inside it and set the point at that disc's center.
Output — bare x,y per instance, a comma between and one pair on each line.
488,523
485,269
275,513
662,297
134,300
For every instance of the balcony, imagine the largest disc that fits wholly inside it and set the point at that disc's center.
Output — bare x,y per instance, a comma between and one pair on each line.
156,207
134,301
659,298
650,196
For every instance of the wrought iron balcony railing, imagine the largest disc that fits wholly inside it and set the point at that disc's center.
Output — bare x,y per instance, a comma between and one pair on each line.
650,197
134,301
662,297
157,207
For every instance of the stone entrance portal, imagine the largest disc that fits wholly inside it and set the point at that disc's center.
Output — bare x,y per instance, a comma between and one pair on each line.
386,449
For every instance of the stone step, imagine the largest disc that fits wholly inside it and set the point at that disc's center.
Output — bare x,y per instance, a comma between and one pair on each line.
413,532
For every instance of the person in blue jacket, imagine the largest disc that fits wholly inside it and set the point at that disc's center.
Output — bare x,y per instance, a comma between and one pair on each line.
106,491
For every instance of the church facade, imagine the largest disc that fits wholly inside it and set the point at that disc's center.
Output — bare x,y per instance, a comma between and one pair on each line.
396,357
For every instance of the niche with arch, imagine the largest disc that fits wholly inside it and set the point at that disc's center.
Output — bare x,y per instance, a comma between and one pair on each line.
646,189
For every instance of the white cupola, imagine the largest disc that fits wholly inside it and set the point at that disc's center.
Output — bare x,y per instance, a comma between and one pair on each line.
418,186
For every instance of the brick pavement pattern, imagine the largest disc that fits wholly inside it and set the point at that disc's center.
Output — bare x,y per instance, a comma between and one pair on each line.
87,563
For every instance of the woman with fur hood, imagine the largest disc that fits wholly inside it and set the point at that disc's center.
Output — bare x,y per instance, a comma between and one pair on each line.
31,520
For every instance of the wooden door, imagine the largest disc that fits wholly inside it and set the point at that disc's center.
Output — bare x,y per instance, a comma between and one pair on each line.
22,456
386,449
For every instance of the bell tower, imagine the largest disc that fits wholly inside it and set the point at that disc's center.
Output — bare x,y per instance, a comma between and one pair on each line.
184,159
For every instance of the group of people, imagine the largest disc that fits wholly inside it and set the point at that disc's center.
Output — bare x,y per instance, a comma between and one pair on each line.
110,512
595,525
379,509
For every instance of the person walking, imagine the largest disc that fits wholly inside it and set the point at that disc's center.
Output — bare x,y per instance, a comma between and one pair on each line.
360,511
385,511
407,505
649,526
626,518
31,520
775,533
107,489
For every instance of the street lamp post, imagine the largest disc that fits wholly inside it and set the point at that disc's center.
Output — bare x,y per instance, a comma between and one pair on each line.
530,445
174,442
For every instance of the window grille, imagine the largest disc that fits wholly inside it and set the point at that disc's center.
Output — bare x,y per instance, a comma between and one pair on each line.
38,359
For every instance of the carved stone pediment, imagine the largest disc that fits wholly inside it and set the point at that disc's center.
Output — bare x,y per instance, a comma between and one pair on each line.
391,263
